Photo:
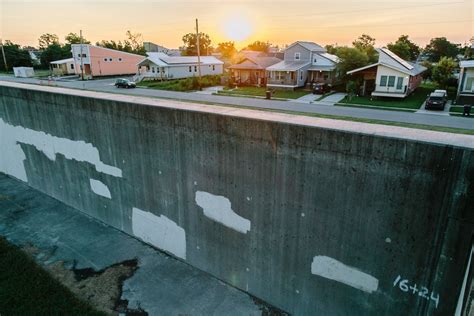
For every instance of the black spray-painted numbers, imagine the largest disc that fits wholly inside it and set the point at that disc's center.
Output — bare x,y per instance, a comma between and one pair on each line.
405,286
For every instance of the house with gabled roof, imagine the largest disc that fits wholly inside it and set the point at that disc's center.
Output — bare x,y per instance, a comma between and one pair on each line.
303,62
163,67
250,70
465,92
390,76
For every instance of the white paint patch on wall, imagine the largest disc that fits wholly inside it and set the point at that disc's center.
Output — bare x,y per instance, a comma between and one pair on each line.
11,160
218,208
100,188
332,269
159,231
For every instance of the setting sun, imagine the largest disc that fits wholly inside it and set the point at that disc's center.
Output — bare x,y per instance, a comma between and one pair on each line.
238,27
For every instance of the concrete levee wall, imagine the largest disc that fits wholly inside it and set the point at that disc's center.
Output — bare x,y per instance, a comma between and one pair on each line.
314,220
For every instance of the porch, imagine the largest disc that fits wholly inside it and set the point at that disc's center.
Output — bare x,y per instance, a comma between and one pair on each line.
286,79
248,77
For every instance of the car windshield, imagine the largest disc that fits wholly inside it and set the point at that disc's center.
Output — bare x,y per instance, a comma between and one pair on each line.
436,98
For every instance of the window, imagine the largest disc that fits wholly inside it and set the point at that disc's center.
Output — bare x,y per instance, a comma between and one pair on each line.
301,74
83,55
391,81
399,83
297,56
110,59
105,59
72,66
120,59
469,84
195,68
383,81
190,69
213,67
315,60
153,69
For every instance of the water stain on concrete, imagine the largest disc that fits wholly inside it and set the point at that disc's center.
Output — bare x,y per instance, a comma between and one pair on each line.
101,289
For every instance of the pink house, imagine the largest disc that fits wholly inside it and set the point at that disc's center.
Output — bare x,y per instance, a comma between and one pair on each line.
100,61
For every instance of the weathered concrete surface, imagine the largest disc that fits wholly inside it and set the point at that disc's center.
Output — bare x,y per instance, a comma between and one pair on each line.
317,216
160,286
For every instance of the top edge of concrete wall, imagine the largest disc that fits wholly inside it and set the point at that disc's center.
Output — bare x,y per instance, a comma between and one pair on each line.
388,131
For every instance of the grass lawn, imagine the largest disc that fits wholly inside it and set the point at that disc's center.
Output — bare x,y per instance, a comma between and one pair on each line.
459,110
413,101
260,92
27,289
186,84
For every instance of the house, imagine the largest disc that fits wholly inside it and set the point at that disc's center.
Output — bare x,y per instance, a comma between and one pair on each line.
250,70
101,61
155,48
390,76
303,62
63,67
163,67
465,93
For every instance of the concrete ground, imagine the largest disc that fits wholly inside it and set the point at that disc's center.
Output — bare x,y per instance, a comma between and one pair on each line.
317,107
333,98
160,286
308,98
210,90
445,112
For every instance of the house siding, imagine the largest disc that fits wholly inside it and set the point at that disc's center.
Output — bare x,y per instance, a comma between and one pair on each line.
305,55
182,71
385,71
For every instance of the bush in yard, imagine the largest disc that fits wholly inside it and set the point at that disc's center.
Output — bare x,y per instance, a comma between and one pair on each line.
351,88
442,72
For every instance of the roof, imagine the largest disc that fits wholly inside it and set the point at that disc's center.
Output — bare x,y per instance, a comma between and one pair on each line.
466,64
161,59
286,65
311,46
321,68
100,47
255,63
331,57
63,61
388,59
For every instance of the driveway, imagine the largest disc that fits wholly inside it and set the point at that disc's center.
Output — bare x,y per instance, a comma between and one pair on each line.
309,98
333,98
317,107
445,112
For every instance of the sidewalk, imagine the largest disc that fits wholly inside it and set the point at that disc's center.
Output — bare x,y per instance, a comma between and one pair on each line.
160,284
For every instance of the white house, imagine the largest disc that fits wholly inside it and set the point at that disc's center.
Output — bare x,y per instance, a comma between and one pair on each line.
303,62
162,66
465,92
391,76
63,67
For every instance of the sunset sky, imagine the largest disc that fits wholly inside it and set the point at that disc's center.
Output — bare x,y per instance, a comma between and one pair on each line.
276,21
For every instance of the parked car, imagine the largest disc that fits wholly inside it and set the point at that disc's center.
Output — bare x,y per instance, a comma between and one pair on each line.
442,91
125,83
321,88
436,101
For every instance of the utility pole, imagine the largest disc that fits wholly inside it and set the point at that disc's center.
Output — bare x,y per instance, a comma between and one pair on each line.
82,62
4,57
198,52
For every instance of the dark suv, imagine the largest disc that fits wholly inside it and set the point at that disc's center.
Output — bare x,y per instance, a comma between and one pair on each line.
124,83
436,101
321,88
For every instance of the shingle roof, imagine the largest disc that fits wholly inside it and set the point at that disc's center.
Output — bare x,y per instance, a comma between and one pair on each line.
63,61
311,46
256,63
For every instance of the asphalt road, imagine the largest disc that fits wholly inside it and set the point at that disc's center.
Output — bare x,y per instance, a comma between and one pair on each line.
106,85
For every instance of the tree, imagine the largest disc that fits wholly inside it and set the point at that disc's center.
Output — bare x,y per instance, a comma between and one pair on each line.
54,52
405,48
227,49
190,44
349,59
429,69
47,39
133,44
73,38
441,47
365,43
443,71
259,46
15,56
